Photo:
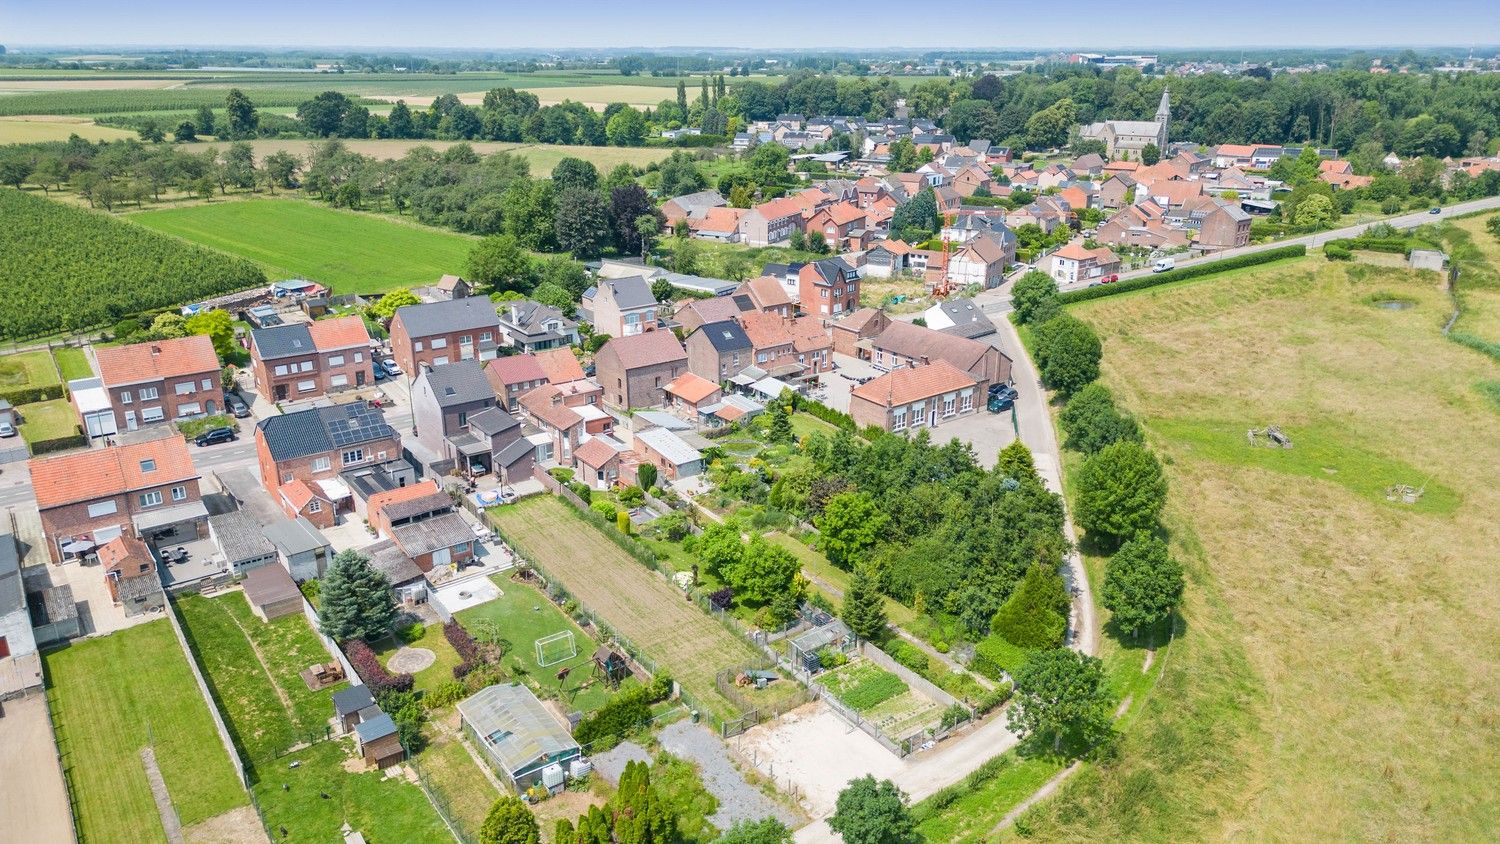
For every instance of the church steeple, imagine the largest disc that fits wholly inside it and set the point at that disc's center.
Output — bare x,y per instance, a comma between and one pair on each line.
1164,111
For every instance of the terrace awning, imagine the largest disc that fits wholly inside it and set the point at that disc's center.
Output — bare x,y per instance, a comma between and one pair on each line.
335,489
190,512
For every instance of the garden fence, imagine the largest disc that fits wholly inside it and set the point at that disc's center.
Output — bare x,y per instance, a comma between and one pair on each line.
440,804
910,677
213,708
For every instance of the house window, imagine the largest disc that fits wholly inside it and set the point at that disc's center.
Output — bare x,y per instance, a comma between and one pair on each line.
179,493
440,360
466,340
352,456
359,357
183,388
148,393
315,506
306,386
321,464
305,366
151,499
335,360
287,477
103,508
440,342
339,381
125,397
948,405
148,465
486,337
918,411
898,419
208,384
463,419
189,409
823,293
966,401
281,369
416,346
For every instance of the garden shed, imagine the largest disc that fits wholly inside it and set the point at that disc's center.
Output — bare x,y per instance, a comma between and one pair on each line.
519,736
271,593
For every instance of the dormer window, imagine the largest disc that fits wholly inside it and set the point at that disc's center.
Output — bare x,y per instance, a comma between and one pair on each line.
148,465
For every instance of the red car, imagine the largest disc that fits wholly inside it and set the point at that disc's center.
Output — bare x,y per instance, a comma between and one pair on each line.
1109,278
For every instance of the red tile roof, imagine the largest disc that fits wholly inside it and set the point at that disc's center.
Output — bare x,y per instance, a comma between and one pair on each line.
648,349
595,453
517,369
910,383
103,472
692,388
128,556
411,492
545,405
339,333
778,208
156,360
560,365
297,493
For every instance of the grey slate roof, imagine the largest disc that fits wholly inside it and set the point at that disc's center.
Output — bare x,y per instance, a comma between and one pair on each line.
352,699
392,562
240,537
283,341
454,315
492,421
968,320
462,382
378,727
435,502
429,535
515,451
631,292
321,429
727,336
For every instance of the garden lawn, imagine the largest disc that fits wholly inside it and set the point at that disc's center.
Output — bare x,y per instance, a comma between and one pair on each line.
114,695
48,420
434,675
266,704
383,809
292,238
634,600
27,369
522,615
460,787
804,424
73,362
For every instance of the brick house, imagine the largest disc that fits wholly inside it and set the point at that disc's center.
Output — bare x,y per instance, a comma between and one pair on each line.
981,262
770,222
161,380
1115,190
1074,263
837,223
513,376
303,454
692,314
130,573
672,457
562,425
307,360
442,400
903,344
766,294
600,461
913,397
143,490
529,326
719,351
634,369
800,346
863,324
827,288
421,521
443,332
623,307
1220,224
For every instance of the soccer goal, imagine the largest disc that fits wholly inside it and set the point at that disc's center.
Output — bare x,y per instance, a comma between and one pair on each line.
558,647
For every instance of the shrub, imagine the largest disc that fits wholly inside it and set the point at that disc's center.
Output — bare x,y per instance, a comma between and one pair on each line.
994,657
831,658
369,669
672,526
605,509
1335,251
632,496
445,695
582,491
466,647
560,474
990,700
610,722
1191,271
955,714
722,598
412,632
909,655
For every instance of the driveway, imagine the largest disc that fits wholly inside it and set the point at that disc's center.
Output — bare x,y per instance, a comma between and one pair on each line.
35,807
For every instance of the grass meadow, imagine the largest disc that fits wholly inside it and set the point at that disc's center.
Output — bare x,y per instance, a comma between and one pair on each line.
33,130
1333,664
111,697
292,238
541,157
72,363
632,599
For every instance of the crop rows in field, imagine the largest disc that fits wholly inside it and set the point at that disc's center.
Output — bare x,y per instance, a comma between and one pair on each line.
137,100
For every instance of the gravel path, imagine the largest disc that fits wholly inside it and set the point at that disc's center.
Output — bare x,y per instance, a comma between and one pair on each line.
738,799
611,763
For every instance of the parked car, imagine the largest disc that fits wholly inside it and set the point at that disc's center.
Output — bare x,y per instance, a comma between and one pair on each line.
6,428
391,368
236,405
1110,279
380,373
1000,404
1163,265
1434,210
214,436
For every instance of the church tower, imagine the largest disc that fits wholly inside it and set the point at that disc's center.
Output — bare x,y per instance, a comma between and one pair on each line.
1163,118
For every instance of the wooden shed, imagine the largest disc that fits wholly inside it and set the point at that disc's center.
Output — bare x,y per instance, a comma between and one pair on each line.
271,592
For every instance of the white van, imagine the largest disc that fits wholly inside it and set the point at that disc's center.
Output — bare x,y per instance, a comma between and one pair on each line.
1163,265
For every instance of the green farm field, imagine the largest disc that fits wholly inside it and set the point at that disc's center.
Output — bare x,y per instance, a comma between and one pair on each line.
542,157
113,696
1334,658
32,130
290,238
634,600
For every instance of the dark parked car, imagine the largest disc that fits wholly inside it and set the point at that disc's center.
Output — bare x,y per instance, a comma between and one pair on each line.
236,405
1000,403
1434,210
213,436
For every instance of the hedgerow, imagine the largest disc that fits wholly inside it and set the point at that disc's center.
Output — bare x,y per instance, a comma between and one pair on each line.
1182,274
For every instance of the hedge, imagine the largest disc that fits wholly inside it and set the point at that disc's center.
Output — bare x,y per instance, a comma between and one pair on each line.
1183,274
1393,245
466,648
369,669
18,396
40,447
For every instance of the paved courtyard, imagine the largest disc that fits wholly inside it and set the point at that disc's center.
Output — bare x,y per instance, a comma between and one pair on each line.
35,807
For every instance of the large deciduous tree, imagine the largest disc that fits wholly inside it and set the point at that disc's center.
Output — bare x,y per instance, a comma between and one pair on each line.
1121,491
1092,421
1029,292
575,173
850,525
1142,584
1067,353
499,261
1058,692
870,812
582,223
243,119
355,600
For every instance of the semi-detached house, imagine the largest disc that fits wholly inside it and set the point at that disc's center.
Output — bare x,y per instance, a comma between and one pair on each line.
307,360
443,332
145,490
912,397
303,456
160,381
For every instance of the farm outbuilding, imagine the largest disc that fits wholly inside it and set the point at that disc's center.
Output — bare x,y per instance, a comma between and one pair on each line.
519,736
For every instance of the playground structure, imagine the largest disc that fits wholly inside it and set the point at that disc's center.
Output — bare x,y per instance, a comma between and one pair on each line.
1272,436
610,667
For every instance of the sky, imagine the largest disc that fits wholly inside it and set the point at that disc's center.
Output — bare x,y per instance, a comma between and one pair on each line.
1010,24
